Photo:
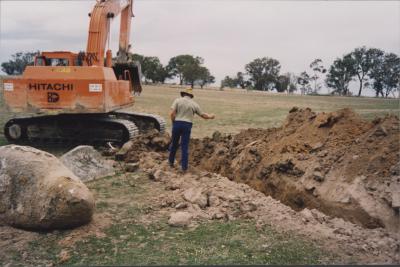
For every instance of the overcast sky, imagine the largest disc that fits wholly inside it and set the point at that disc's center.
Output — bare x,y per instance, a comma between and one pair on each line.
227,34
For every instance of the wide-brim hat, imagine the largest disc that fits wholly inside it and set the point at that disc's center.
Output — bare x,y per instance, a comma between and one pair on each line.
188,92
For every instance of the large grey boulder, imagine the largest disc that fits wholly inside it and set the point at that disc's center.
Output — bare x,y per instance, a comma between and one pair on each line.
87,163
38,192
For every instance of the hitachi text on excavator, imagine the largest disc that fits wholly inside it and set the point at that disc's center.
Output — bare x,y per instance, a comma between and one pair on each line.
81,98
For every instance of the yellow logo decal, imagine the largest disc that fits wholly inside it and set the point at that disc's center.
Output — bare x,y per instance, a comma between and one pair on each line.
64,70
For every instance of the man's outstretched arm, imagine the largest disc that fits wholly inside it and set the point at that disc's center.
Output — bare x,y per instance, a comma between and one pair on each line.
207,116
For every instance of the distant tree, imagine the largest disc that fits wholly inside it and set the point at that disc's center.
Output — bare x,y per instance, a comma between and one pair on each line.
317,69
386,75
228,82
263,73
205,77
181,64
304,81
162,74
136,57
364,60
18,62
152,68
192,73
340,74
282,84
241,80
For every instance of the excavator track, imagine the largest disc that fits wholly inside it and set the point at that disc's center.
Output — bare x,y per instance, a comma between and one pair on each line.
93,129
144,121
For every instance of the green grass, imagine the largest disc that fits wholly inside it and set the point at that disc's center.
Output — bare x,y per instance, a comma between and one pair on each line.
236,110
236,242
212,243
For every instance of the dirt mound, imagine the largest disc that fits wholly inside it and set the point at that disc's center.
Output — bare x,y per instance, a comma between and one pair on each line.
335,162
152,141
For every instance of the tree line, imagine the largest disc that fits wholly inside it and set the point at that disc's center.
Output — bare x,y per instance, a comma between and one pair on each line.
188,69
370,67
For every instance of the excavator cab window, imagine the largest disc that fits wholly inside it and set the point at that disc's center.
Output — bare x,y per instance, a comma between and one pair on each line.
40,61
59,62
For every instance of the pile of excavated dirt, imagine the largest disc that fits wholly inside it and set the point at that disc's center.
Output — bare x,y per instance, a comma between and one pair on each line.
335,162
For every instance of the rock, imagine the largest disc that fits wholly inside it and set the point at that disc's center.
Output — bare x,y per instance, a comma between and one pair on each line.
248,207
182,205
63,256
38,192
87,163
195,195
309,186
157,175
213,201
180,219
131,167
317,146
161,142
121,154
395,192
319,216
216,136
345,200
380,131
218,216
307,215
318,176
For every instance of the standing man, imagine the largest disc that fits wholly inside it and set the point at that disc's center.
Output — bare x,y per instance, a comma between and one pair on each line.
182,112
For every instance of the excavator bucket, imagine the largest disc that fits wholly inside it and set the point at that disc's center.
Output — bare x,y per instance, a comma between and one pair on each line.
130,71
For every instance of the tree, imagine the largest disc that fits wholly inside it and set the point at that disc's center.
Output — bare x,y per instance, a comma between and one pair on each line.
179,65
263,73
386,75
152,69
318,69
18,63
192,73
228,82
282,85
340,74
241,81
205,77
364,59
304,81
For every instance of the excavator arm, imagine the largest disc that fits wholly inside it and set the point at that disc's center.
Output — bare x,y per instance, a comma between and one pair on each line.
99,30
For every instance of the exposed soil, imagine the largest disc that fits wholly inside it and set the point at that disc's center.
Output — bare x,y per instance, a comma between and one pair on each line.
335,162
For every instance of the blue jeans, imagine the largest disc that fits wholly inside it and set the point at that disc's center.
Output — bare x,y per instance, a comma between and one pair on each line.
180,131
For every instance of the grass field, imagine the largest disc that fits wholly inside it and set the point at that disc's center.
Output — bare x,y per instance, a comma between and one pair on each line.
238,109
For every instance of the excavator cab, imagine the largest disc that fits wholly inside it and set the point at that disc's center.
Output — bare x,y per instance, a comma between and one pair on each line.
63,59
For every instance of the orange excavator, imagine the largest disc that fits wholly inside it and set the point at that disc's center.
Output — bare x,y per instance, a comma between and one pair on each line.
81,98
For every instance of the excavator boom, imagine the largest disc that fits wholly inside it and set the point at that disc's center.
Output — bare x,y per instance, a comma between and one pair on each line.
99,29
